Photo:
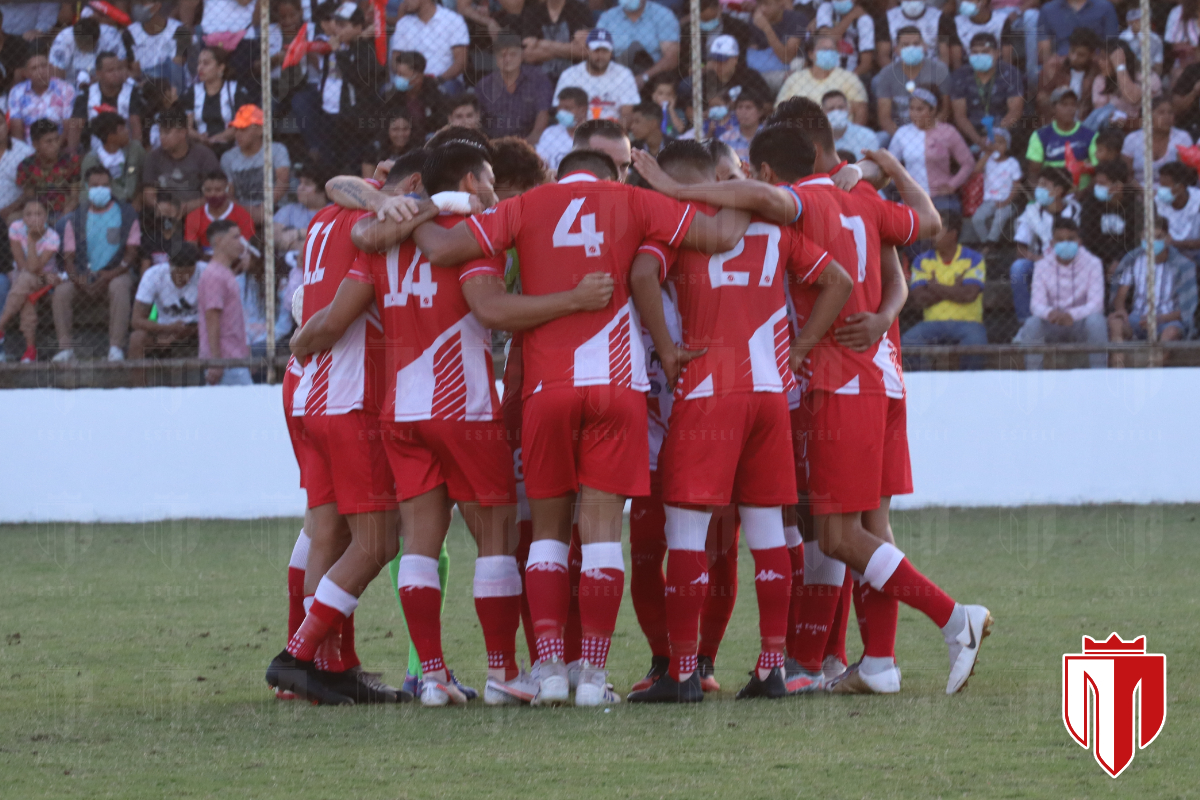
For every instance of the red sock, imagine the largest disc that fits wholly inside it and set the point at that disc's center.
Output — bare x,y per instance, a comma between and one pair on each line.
295,586
423,613
718,606
525,529
601,585
308,637
835,645
572,631
881,611
349,654
648,548
914,589
773,585
548,588
687,587
813,623
498,616
860,614
796,554
329,653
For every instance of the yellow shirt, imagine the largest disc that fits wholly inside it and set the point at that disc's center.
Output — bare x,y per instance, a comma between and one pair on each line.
929,268
805,84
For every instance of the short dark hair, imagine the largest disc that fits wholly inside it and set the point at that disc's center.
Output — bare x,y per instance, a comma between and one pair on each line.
219,227
909,30
787,149
173,117
105,124
687,153
604,128
1059,177
807,116
411,59
832,93
651,111
952,221
1116,170
506,40
1161,222
719,149
985,39
42,128
214,175
449,164
95,170
516,163
1112,138
313,172
186,256
88,26
574,94
464,99
406,165
325,11
458,133
1064,224
1084,37
102,57
594,161
1178,172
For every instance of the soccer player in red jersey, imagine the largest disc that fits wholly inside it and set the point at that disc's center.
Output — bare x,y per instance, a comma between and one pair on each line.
584,417
845,410
729,437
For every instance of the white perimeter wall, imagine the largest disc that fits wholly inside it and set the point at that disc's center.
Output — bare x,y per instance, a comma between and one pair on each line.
977,439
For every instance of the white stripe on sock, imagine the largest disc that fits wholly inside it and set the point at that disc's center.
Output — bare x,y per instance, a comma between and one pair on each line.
820,569
791,534
496,576
882,564
299,559
687,528
334,596
548,551
417,572
762,527
603,555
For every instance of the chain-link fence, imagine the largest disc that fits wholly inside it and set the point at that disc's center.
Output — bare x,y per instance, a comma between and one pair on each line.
134,126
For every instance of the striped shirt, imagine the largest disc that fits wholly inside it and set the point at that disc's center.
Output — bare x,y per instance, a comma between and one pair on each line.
1164,286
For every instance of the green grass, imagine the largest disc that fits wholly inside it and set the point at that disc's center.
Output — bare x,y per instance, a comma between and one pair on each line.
134,655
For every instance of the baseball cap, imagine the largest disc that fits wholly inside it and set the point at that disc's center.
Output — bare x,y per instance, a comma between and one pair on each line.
600,38
723,48
247,116
1061,92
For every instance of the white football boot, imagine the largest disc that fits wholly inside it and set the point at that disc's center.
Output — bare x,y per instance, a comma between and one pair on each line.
518,691
964,646
832,667
554,687
436,693
594,688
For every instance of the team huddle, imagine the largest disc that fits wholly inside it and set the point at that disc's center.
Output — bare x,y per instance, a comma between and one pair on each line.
721,351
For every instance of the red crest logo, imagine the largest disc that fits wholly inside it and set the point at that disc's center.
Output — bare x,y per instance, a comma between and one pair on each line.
1128,691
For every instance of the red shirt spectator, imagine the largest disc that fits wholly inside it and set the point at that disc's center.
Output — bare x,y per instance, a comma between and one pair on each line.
217,206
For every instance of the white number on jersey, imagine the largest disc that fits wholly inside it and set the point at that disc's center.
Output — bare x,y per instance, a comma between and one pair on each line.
399,290
717,274
588,237
856,227
313,271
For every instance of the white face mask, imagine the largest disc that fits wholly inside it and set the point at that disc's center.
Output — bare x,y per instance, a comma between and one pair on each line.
913,8
839,118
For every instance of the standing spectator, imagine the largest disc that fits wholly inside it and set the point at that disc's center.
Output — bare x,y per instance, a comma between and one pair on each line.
825,75
850,21
214,100
1048,145
1052,201
1077,72
160,43
775,40
1126,322
986,93
554,34
217,206
179,165
113,89
251,281
645,37
437,33
893,85
1117,90
12,152
714,22
244,163
395,141
611,88
956,31
1067,303
291,221
120,154
100,245
173,289
464,112
51,173
222,324
556,141
1111,219
352,86
516,97
947,285
38,97
1001,174
1060,18
417,95
1183,32
749,110
75,49
1165,137
1132,36
1178,202
34,245
926,146
725,74
847,136
14,52
914,14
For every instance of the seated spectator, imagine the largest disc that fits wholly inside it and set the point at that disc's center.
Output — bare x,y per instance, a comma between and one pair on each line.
1117,90
118,153
1109,142
724,74
986,93
438,34
30,18
778,32
217,206
1077,72
100,245
515,97
34,245
645,128
611,89
927,146
214,100
39,97
893,86
714,22
12,152
464,112
608,137
291,221
222,324
227,16
664,93
556,140
854,25
749,110
179,165
1111,219
1001,175
825,75
518,167
160,43
1052,201
417,96
645,37
244,163
848,136
947,285
1178,202
1058,19
14,52
1183,34
251,281
1165,138
51,173
486,19
158,95
172,288
1067,303
1132,36
955,31
112,89
926,19
395,141
1128,322
1048,145
76,48
554,34
162,231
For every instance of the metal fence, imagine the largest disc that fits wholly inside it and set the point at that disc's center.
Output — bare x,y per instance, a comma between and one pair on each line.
278,96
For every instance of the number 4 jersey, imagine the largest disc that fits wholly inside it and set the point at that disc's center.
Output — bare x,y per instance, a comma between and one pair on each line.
562,232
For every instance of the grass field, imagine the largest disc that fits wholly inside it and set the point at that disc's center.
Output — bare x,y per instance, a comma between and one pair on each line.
133,665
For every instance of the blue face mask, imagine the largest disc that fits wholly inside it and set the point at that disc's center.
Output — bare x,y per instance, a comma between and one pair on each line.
1101,192
842,7
1041,195
912,55
1164,196
400,82
708,26
1066,250
981,62
913,8
631,5
718,113
967,8
1159,246
99,196
827,59
565,118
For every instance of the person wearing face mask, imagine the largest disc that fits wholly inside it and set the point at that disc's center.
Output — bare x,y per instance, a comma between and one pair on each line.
927,146
894,84
725,74
849,22
909,14
1174,292
557,140
847,135
1111,219
973,18
416,95
645,37
122,156
1052,201
1177,200
986,93
825,75
101,241
217,205
1067,303
779,31
713,23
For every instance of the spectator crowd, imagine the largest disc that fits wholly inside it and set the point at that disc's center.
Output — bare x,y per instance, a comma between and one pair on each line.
131,153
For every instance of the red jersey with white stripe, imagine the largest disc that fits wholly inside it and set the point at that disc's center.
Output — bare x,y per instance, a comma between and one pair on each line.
852,227
735,305
439,358
346,377
562,232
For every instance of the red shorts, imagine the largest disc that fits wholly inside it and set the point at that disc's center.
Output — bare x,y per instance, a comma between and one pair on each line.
295,425
732,449
591,435
897,470
473,459
345,463
839,447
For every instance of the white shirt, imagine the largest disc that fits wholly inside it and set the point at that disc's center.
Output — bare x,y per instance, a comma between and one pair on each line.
555,143
1184,223
606,93
433,39
65,56
999,177
1164,287
908,146
226,15
17,152
1135,149
1035,226
1177,32
174,304
860,35
150,51
927,24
